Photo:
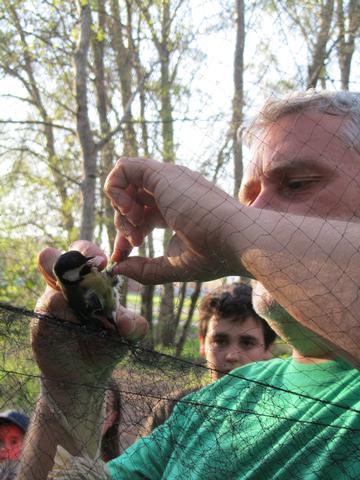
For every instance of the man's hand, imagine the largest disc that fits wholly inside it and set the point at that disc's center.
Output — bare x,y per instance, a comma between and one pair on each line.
146,195
75,355
75,365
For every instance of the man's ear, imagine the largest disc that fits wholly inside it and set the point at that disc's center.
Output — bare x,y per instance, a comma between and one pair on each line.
202,346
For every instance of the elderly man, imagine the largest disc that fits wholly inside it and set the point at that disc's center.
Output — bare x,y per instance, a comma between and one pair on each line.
296,232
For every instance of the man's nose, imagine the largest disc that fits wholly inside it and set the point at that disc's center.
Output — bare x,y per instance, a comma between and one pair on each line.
264,200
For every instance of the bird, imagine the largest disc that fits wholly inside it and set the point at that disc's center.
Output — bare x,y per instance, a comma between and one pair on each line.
93,295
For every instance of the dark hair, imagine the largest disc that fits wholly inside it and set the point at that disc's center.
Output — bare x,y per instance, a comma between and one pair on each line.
110,447
235,302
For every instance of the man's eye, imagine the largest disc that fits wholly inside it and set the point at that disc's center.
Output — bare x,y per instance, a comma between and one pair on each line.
295,185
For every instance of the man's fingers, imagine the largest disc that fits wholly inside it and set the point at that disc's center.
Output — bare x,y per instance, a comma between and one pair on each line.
134,234
127,171
46,262
122,248
149,271
130,325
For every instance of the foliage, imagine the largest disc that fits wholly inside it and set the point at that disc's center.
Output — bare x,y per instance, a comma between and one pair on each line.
19,386
20,283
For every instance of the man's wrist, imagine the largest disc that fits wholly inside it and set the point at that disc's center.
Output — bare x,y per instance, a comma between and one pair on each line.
79,410
234,240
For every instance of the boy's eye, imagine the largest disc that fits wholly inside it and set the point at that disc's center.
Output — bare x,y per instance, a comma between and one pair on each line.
248,343
220,341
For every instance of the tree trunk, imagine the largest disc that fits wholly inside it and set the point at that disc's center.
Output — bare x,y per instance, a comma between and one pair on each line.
83,126
147,305
123,58
319,54
180,304
238,100
346,38
107,153
166,315
167,332
194,299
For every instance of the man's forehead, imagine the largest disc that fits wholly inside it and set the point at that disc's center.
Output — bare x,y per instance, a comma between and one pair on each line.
300,128
296,138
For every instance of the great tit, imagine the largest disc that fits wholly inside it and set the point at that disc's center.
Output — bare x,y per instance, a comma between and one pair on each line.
91,294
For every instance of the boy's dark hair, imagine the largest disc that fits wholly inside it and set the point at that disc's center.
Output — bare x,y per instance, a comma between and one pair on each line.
233,301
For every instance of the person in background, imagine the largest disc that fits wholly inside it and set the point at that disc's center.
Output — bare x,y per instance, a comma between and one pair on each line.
13,427
231,334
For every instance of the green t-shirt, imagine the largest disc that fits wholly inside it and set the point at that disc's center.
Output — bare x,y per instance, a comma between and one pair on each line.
295,422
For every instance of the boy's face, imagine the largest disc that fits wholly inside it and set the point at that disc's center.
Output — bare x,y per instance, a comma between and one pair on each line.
11,441
231,343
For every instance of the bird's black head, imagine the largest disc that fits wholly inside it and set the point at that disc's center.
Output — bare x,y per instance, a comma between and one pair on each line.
71,266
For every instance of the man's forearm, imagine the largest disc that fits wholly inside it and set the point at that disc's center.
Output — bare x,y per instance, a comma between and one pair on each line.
310,266
72,420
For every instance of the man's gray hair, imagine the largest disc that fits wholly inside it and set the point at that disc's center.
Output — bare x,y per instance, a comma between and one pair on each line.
340,103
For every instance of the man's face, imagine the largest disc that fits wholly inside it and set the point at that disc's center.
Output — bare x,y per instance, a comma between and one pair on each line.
230,343
11,441
301,165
